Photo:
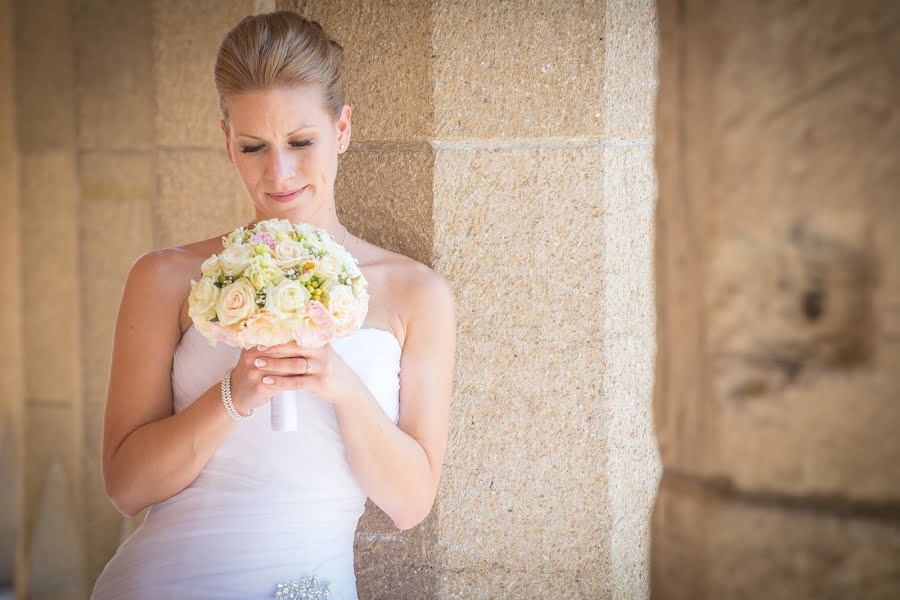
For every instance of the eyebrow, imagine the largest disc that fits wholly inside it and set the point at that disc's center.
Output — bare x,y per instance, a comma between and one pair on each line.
301,128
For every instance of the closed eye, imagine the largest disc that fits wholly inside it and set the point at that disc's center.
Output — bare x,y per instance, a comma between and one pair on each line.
257,148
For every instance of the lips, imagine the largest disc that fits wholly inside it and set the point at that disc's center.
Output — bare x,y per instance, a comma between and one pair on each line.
287,195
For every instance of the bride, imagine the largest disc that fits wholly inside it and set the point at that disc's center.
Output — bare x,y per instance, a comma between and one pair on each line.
237,510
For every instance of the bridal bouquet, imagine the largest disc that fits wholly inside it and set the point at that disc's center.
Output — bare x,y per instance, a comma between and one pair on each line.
276,282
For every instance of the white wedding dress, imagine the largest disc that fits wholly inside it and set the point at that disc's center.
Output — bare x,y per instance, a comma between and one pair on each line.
268,508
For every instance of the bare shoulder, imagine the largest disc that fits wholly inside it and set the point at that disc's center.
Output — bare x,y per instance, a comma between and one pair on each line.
427,298
409,291
182,264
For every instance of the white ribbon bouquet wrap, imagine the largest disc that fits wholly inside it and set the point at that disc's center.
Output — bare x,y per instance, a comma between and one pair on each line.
275,282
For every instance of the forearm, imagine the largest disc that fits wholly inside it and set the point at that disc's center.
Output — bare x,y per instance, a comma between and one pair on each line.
391,467
159,459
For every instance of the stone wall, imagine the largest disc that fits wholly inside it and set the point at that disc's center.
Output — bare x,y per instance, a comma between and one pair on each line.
778,299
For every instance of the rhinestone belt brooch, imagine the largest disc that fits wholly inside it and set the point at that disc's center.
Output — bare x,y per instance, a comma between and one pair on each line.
308,587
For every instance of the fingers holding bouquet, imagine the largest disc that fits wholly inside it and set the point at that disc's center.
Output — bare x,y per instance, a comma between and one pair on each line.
290,366
288,287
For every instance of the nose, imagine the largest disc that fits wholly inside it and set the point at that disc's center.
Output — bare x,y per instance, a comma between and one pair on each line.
280,166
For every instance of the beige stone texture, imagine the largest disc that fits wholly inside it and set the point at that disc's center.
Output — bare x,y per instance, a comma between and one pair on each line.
628,346
186,38
391,563
55,551
383,194
775,227
528,446
45,96
51,432
387,55
115,75
514,70
102,522
629,75
711,544
118,192
50,276
200,196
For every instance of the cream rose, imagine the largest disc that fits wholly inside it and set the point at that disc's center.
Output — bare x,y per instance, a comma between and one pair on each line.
211,267
266,329
287,298
235,259
202,299
237,301
341,304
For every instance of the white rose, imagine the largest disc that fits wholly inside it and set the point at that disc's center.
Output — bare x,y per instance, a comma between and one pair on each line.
353,268
211,267
329,266
289,253
332,247
237,301
202,299
287,298
359,286
341,303
235,237
274,225
235,259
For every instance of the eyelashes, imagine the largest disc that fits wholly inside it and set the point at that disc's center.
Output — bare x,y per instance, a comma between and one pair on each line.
252,149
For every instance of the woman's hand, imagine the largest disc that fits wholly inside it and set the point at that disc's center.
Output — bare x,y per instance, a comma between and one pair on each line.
247,388
261,372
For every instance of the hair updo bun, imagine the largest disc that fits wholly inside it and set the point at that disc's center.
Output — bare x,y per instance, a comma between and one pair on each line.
280,49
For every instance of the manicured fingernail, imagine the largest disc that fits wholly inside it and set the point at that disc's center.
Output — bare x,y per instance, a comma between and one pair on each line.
268,380
263,348
260,362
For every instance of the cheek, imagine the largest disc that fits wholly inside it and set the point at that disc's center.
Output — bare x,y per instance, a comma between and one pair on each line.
247,171
326,165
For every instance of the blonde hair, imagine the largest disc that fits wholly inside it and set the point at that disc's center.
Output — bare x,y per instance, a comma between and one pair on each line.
280,49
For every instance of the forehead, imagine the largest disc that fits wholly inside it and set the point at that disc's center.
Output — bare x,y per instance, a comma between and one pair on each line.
276,111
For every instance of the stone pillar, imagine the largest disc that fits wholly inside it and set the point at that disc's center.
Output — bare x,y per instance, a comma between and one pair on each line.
776,399
117,174
508,145
384,193
11,319
51,522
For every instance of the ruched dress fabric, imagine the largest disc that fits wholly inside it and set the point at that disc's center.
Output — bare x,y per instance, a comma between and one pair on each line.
269,507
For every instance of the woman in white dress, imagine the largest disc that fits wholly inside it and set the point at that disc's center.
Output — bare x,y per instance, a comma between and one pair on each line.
237,510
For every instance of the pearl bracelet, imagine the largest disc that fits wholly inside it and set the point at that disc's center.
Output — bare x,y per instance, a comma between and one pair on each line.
226,399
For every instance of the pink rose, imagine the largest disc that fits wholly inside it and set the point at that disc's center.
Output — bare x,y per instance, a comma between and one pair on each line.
315,327
265,237
215,333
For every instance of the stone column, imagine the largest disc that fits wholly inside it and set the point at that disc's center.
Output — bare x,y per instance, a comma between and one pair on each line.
778,289
508,146
51,523
12,319
117,174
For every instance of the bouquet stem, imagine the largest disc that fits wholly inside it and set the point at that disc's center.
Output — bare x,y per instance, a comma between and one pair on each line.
284,410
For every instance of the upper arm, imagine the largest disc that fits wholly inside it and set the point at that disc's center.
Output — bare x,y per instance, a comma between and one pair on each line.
427,366
146,333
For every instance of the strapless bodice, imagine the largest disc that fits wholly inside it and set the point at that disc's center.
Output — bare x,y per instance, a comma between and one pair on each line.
268,507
